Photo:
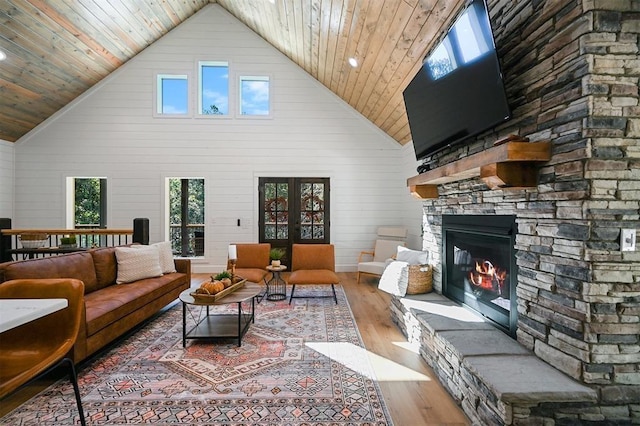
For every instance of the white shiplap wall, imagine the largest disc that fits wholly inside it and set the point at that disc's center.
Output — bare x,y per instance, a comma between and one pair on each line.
6,179
413,211
111,131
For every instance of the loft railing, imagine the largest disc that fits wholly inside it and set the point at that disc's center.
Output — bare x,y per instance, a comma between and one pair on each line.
12,248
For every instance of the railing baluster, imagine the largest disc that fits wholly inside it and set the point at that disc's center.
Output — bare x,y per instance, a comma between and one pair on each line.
86,238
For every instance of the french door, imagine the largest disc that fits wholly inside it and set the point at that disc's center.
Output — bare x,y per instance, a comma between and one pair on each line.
293,210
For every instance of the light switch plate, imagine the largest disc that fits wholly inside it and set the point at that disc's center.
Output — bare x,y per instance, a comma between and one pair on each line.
628,240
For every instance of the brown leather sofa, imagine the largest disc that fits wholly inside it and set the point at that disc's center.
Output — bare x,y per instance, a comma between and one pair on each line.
110,309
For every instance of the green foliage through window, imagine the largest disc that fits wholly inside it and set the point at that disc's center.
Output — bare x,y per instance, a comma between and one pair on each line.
87,201
186,216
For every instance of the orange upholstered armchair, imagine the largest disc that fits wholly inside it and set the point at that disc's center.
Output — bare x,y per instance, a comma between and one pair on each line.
253,258
313,264
33,349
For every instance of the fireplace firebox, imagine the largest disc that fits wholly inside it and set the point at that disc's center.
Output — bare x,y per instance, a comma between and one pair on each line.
479,269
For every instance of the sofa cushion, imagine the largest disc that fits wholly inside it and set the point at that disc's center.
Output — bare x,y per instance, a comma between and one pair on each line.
375,268
73,265
313,276
137,263
253,275
110,304
105,263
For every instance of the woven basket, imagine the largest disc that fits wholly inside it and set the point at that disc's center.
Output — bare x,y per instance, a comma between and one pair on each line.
33,241
420,279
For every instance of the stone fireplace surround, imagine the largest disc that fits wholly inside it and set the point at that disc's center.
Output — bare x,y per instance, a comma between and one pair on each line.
572,74
534,380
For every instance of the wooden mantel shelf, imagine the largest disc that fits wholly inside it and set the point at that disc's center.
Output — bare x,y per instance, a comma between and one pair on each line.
508,165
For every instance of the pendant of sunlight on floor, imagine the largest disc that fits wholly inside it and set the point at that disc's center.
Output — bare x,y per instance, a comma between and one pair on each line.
378,368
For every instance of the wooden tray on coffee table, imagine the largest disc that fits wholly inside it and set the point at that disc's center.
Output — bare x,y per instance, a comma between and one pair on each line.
211,298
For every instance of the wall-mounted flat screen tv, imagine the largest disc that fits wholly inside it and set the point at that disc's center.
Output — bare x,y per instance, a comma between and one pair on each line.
458,93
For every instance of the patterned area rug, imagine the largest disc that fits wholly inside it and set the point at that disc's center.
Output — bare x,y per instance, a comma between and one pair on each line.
299,364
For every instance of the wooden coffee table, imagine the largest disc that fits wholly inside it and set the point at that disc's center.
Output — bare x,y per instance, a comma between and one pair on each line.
220,326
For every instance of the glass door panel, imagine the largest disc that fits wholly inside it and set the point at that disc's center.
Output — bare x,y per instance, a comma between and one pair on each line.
293,210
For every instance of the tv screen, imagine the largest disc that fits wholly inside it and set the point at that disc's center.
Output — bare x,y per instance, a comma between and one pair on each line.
458,93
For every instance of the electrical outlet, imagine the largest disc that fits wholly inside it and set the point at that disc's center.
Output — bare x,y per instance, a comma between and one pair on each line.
628,240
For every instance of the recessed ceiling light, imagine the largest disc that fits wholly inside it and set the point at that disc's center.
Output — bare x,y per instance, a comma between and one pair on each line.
353,62
3,55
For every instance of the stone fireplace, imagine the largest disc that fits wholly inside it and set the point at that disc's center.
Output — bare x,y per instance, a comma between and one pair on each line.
479,268
572,75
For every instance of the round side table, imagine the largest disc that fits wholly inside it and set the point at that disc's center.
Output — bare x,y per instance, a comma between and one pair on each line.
276,286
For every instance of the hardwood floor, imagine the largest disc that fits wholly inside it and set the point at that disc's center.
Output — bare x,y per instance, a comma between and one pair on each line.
411,390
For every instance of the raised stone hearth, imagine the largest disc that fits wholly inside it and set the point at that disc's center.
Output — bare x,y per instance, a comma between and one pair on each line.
572,73
496,380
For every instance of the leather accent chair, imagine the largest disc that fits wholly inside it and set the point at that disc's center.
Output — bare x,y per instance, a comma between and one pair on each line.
313,264
373,262
253,258
34,349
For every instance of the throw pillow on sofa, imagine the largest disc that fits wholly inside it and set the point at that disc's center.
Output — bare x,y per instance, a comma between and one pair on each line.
137,263
165,256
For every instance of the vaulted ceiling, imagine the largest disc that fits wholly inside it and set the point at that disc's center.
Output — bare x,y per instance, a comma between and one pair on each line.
57,49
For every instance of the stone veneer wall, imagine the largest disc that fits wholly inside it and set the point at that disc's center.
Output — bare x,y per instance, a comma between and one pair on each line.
572,72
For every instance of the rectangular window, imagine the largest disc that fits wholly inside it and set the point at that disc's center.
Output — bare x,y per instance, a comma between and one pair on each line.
186,216
213,93
90,202
254,95
172,94
86,206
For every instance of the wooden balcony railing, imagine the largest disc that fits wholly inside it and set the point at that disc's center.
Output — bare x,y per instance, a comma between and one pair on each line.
11,247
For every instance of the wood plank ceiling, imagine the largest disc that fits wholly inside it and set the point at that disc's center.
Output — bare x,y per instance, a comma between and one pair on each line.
57,49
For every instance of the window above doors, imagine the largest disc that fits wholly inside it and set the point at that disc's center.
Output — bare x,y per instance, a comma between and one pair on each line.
172,95
213,88
219,92
255,99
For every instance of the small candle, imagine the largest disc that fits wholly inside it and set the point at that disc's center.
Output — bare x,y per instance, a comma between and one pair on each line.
233,254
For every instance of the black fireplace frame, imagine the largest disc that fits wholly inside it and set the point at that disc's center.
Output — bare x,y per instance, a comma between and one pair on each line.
496,226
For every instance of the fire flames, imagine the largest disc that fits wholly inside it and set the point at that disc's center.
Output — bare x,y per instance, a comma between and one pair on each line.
488,277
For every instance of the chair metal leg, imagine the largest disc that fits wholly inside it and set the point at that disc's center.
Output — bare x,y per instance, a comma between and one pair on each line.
260,297
333,289
74,380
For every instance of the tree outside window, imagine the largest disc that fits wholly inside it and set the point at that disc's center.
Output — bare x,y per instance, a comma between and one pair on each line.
213,94
90,203
186,216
